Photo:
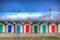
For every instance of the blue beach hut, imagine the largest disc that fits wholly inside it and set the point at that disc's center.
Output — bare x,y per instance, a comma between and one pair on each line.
19,28
10,28
44,28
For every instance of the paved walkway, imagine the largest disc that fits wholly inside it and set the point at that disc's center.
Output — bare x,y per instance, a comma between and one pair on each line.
27,35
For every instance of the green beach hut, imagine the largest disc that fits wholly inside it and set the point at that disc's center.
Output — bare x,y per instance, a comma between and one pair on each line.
2,28
35,28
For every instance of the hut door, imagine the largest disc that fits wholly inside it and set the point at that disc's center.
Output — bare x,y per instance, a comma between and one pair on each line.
1,28
9,28
35,29
44,28
18,28
53,28
27,28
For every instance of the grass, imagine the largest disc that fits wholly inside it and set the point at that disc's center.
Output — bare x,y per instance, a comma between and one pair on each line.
31,38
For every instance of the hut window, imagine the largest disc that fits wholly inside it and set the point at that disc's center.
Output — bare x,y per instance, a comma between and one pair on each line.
1,28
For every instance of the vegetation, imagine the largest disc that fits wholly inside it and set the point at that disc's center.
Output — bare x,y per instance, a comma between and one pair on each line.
31,38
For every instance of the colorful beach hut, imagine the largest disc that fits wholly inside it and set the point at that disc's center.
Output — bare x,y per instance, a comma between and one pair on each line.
19,28
2,28
10,28
35,28
44,27
58,28
27,27
52,28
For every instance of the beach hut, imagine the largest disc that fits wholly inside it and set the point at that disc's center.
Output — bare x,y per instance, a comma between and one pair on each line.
10,28
2,28
35,28
44,27
52,28
19,28
58,28
27,27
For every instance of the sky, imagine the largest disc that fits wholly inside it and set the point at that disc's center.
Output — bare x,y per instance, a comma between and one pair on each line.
19,6
29,9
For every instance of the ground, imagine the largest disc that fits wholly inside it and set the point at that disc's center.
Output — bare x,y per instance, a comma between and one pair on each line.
31,38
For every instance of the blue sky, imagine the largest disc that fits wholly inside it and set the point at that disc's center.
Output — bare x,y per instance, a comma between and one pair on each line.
28,6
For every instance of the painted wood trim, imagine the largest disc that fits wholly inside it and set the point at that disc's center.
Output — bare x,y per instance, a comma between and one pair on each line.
58,28
4,28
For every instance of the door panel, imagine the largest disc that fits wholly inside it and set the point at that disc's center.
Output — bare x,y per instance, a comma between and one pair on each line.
27,28
44,28
1,28
53,28
9,28
18,28
35,29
